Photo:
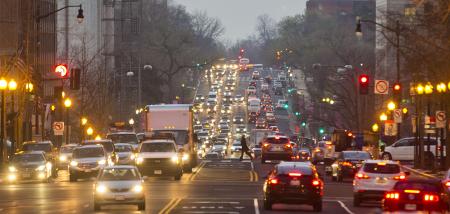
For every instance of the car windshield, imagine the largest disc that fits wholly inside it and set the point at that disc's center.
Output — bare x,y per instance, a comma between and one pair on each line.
88,152
21,158
157,147
275,140
123,148
66,149
237,144
37,147
356,155
181,136
381,168
202,134
123,138
118,174
423,186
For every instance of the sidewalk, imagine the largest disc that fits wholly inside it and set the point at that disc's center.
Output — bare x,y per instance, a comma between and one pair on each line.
300,84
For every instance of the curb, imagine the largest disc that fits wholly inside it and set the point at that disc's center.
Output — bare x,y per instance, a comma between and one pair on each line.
420,173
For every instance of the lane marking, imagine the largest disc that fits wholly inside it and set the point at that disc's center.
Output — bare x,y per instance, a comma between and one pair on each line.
255,176
256,205
167,206
251,175
173,206
345,207
194,175
251,164
418,172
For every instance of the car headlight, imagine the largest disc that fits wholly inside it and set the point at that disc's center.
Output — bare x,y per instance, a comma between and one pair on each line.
40,168
73,163
12,169
63,158
138,188
242,120
132,156
100,189
139,160
185,157
102,162
174,159
203,146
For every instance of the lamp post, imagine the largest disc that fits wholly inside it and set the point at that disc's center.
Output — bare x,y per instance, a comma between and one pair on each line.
441,88
67,104
83,123
3,87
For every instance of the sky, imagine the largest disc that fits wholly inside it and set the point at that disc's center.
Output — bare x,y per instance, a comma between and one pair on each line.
239,16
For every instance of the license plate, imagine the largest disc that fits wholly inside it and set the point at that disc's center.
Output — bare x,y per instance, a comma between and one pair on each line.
158,172
381,181
120,198
410,207
295,183
277,149
87,170
26,175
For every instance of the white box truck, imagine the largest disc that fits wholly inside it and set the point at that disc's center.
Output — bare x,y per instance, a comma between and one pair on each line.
176,120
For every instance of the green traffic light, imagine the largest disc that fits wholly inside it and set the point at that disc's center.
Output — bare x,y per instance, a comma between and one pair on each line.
297,113
303,124
286,106
321,130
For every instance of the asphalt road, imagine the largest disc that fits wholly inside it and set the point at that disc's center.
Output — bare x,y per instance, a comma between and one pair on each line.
222,186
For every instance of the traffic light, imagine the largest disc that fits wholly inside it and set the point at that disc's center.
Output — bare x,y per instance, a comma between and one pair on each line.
62,70
297,113
242,50
303,124
286,106
363,84
397,89
75,79
321,130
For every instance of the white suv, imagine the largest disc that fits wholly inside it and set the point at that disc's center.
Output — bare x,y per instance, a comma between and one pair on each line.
403,149
374,178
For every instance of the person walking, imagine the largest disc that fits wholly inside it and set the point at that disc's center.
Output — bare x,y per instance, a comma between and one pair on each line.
245,148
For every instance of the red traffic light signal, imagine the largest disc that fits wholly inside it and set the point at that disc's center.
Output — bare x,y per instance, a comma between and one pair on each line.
62,70
397,87
242,50
363,84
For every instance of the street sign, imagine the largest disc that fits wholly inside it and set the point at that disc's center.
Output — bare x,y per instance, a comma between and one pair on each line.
381,87
440,119
397,115
58,128
390,128
430,124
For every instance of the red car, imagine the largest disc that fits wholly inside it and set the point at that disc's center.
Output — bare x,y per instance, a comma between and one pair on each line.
417,195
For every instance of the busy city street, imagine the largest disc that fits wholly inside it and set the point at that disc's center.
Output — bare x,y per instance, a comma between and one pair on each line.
224,106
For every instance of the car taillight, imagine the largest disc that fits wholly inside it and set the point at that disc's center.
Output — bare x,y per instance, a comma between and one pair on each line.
266,145
392,195
400,177
288,145
431,198
361,176
273,181
316,182
347,164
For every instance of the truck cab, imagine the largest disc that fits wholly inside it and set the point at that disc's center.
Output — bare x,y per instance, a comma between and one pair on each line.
158,157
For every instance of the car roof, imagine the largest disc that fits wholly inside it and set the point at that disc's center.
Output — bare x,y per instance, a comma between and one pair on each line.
294,164
122,144
121,132
70,145
33,152
381,161
158,141
277,136
97,141
38,142
89,146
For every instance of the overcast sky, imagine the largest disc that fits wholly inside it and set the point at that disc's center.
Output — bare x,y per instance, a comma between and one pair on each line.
239,16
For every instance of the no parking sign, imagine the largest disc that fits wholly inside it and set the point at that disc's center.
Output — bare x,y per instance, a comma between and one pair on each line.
440,119
381,87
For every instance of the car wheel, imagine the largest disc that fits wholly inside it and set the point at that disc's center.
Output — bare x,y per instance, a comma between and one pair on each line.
317,207
141,206
386,156
72,178
356,201
267,204
97,207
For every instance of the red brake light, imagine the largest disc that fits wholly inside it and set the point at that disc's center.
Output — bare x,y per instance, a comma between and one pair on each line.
361,176
392,195
431,198
400,177
347,164
316,183
295,174
414,191
273,181
277,137
266,145
288,145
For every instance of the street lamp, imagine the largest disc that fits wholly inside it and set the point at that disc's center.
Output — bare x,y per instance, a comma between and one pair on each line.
131,121
441,87
428,88
84,121
375,127
391,105
29,87
67,104
89,131
420,89
3,87
383,117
